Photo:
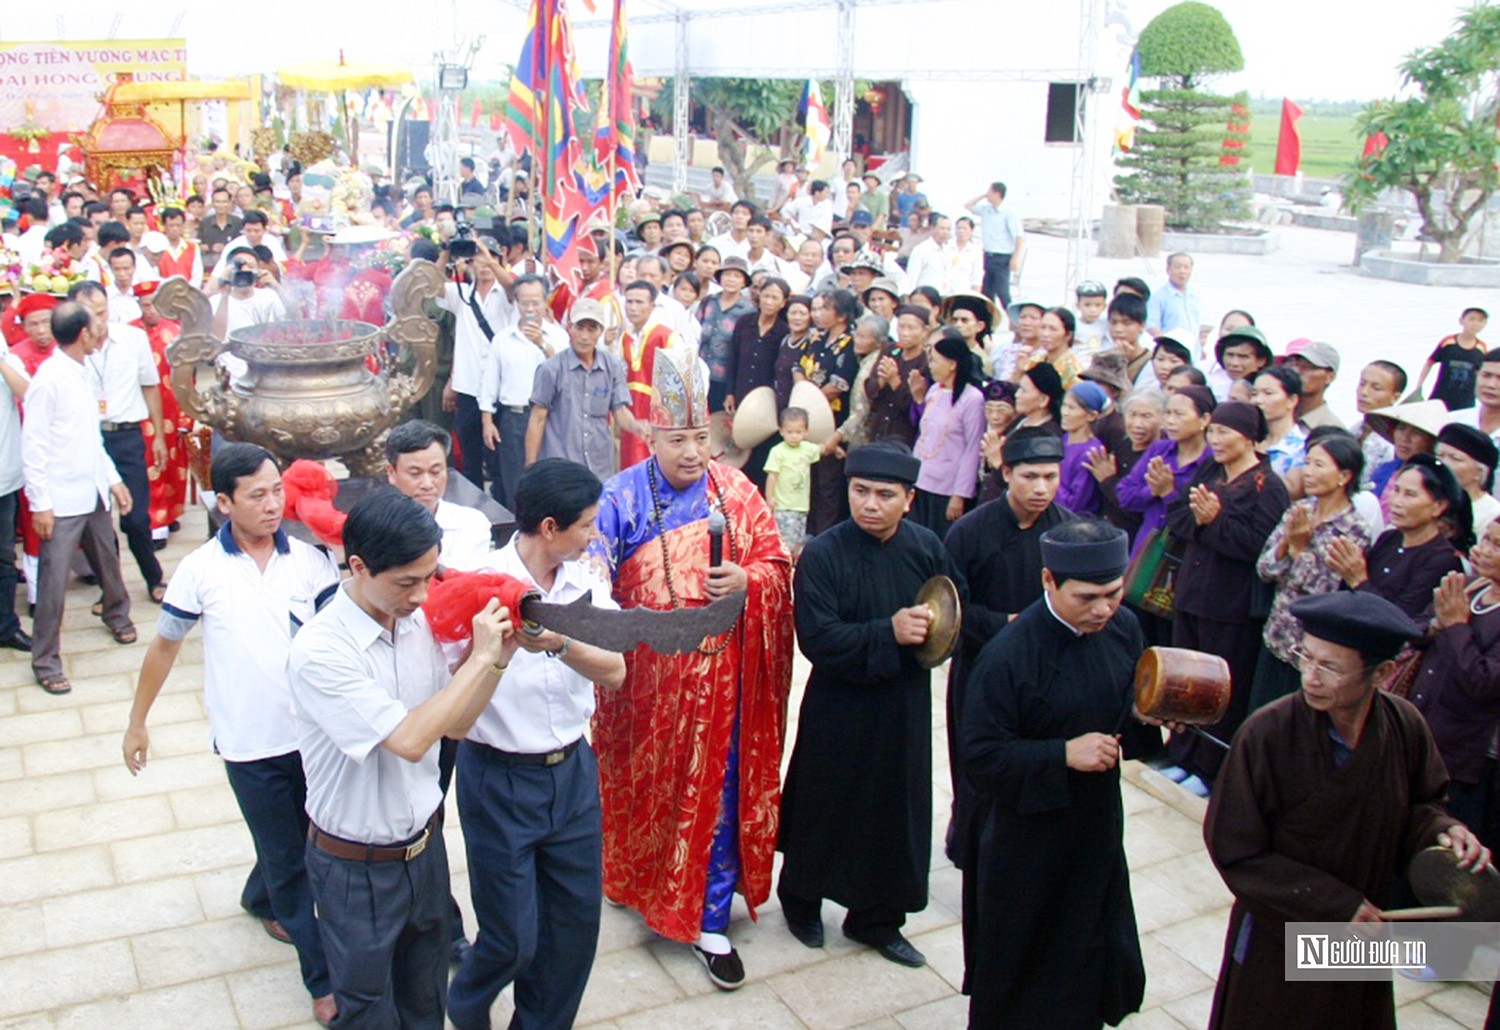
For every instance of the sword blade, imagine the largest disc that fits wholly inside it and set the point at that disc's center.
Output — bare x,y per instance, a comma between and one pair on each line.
673,632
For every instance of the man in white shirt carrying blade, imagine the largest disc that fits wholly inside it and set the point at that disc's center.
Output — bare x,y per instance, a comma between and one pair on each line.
373,695
528,792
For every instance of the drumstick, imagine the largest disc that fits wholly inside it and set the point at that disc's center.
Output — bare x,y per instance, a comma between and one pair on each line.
1423,914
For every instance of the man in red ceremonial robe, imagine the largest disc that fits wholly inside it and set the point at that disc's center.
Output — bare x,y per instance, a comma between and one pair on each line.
181,256
168,483
642,338
690,746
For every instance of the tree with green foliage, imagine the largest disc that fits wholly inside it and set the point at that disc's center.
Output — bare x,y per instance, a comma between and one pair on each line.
1185,132
1441,141
753,121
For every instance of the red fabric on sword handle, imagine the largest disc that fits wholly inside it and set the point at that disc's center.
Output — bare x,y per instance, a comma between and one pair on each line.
453,601
310,489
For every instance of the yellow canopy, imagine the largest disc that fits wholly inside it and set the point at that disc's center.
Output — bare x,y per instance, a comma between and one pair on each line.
331,77
183,90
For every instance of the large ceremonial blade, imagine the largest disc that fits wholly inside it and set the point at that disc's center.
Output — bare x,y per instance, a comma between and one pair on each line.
674,632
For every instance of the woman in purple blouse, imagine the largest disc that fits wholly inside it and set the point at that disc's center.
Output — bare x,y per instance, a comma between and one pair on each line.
1164,470
948,438
1078,490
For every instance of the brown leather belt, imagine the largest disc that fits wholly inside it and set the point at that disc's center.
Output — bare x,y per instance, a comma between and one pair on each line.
353,851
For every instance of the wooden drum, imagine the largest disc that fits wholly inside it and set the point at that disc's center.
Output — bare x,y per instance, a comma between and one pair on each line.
1177,685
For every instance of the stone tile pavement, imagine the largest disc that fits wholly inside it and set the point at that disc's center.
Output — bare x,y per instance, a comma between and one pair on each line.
119,896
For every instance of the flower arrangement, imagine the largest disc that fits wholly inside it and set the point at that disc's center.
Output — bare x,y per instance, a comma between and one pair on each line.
55,272
10,270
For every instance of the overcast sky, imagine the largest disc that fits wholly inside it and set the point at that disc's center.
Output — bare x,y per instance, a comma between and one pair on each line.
1308,50
1322,49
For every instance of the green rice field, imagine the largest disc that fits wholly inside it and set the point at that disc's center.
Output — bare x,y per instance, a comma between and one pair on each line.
1330,143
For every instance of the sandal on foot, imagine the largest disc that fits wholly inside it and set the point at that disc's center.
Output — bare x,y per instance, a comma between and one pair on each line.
124,635
97,608
56,685
158,592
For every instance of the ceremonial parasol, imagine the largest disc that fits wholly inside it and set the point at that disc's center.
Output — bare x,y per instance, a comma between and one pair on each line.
340,76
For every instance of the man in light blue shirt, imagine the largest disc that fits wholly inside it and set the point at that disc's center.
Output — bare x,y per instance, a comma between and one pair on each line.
1001,236
1173,309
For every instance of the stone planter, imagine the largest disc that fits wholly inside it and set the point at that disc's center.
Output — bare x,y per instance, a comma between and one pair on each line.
1253,242
1481,273
1324,220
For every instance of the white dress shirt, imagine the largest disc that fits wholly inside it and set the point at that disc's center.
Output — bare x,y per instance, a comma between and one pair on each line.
68,472
807,215
123,307
728,246
966,269
929,266
467,540
249,618
353,683
510,367
11,475
119,369
470,345
30,245
543,704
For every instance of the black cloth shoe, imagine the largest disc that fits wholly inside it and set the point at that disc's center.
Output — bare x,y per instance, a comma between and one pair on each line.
17,640
809,933
897,949
458,951
726,971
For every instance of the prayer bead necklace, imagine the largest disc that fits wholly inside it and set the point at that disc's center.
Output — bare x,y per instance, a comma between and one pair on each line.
666,559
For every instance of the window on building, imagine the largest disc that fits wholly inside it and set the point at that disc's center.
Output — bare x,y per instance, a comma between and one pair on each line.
1063,99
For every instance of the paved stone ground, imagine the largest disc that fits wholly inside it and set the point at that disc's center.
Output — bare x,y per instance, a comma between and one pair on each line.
119,896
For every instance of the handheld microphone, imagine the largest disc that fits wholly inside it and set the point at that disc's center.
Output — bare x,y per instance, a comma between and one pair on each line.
716,526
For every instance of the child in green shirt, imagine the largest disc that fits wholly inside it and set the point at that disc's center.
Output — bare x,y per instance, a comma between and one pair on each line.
789,478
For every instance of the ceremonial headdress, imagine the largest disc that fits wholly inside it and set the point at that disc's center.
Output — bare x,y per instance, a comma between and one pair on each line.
679,390
34,302
1097,553
1366,622
146,289
885,461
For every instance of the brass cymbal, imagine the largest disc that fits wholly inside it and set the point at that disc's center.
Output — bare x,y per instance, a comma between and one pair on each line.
940,595
1436,880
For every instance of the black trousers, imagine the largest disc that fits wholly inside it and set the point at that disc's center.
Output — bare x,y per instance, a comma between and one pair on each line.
384,927
534,838
272,793
8,621
830,495
475,459
127,449
997,279
509,455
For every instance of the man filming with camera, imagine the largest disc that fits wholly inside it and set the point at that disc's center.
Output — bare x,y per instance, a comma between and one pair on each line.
481,311
243,296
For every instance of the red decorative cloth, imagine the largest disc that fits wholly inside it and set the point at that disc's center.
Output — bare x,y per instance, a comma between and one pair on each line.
454,600
310,489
